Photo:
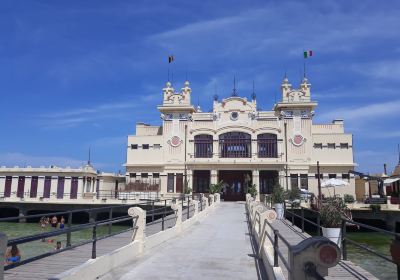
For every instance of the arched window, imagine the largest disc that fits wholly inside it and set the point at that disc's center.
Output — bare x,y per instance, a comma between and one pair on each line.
235,145
203,146
267,145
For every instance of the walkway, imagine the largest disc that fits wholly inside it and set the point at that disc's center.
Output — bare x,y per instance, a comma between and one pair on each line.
219,247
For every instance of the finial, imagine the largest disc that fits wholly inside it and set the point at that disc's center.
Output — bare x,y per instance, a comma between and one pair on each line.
253,95
234,93
168,84
187,83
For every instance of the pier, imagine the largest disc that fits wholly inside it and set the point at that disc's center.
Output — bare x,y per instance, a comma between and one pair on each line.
205,239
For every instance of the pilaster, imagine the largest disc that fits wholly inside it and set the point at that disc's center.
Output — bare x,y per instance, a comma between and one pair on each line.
256,181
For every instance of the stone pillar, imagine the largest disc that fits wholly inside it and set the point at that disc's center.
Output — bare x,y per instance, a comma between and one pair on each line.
139,215
3,248
53,187
256,180
178,208
196,207
204,200
214,176
216,148
27,187
40,187
190,179
282,179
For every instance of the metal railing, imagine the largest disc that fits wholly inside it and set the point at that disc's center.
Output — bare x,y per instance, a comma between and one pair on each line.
343,239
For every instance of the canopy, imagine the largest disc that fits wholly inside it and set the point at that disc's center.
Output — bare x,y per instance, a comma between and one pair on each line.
390,181
333,182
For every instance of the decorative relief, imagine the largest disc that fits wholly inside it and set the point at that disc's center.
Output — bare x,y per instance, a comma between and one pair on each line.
175,141
297,140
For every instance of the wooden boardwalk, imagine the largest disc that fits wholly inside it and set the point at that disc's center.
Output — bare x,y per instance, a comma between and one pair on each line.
345,270
49,267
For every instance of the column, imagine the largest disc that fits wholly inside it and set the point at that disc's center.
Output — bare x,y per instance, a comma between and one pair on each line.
40,187
81,190
2,184
54,187
189,179
67,187
214,176
254,148
27,187
282,179
256,181
215,147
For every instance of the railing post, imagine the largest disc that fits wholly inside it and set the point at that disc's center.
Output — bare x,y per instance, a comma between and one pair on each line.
276,263
139,226
292,208
344,248
3,248
110,215
319,225
163,215
178,208
302,219
94,239
188,205
69,226
152,212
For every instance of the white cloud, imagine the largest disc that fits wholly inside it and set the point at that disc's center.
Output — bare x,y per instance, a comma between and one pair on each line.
385,69
363,113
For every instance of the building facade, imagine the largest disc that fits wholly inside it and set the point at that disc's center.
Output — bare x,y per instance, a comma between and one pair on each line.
238,143
48,183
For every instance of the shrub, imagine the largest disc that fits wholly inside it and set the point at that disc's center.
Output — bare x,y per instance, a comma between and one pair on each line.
375,207
332,211
348,198
216,188
293,194
278,194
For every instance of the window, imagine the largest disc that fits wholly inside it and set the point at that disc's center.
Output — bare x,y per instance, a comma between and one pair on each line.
134,146
132,175
321,176
156,175
170,182
346,176
145,146
317,145
304,181
294,182
156,146
235,145
331,145
344,145
332,176
144,175
201,181
203,146
267,145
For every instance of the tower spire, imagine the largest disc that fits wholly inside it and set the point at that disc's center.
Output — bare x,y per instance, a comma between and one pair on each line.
88,162
234,93
253,95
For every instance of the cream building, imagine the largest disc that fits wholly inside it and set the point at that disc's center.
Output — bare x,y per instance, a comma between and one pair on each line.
237,140
49,183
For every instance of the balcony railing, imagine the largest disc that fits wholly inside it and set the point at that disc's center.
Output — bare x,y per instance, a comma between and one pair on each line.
144,185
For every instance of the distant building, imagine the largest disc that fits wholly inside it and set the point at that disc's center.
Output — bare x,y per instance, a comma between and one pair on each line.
237,140
58,183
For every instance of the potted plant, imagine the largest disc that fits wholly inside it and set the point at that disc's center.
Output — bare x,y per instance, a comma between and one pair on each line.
216,188
249,187
331,213
278,198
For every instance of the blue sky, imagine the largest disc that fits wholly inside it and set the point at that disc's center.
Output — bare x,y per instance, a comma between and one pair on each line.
80,74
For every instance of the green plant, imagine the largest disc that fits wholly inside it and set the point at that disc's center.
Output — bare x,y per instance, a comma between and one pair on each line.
332,211
252,190
375,207
216,188
187,189
293,194
348,198
278,194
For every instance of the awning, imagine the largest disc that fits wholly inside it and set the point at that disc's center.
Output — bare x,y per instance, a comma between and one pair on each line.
390,181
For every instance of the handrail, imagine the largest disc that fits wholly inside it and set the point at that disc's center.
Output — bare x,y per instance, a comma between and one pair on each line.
344,239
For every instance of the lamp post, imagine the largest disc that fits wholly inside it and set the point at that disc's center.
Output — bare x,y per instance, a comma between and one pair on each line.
319,186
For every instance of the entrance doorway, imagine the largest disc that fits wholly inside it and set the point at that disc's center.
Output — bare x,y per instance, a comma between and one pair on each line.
234,184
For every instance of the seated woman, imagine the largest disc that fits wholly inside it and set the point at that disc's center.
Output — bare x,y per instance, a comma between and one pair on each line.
13,255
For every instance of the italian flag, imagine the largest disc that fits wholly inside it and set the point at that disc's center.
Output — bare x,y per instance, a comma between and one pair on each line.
308,54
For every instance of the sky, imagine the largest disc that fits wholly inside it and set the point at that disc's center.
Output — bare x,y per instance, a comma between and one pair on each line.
80,74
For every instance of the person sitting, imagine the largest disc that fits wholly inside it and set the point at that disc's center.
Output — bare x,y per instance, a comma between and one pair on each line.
13,255
61,224
58,246
54,222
